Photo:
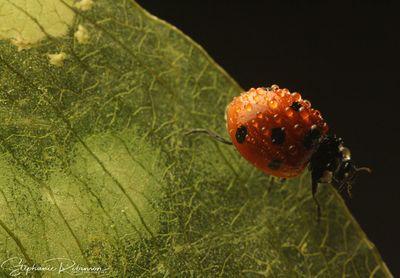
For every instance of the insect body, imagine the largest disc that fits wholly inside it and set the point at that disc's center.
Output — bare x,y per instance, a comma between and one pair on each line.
275,130
281,134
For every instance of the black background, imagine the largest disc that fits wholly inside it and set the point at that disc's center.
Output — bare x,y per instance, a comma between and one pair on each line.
342,57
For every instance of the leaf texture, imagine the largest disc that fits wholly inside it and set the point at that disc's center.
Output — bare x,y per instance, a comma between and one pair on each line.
95,167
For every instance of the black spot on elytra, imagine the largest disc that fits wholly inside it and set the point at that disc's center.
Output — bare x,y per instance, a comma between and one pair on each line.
296,106
275,164
311,137
278,135
241,133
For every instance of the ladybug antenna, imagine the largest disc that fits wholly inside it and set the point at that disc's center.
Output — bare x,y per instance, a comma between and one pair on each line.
210,133
365,169
356,169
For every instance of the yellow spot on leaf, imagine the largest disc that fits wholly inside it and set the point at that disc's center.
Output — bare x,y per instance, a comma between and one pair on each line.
57,59
82,34
21,43
84,5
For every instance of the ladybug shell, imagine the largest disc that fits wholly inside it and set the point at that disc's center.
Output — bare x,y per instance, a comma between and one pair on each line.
275,130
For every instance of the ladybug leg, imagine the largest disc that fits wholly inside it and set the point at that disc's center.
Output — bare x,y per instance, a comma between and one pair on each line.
271,184
348,188
210,133
314,192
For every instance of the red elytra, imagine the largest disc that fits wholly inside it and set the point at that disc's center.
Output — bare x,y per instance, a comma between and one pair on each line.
275,130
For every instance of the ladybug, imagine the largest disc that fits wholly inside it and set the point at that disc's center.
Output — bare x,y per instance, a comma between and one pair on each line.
281,134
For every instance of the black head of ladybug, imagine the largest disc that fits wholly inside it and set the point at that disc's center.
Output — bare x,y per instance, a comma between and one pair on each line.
332,163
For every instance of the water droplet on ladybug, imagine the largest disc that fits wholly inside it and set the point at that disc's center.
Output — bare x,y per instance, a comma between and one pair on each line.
307,103
325,127
292,150
275,87
304,114
289,111
277,119
273,104
248,107
296,96
297,129
267,132
260,91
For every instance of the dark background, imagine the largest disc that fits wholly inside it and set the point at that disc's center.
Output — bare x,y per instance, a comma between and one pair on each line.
343,58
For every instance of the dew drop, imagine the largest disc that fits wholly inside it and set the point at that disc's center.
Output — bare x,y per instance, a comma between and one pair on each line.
248,107
266,132
259,115
296,96
273,104
296,128
275,87
317,113
307,103
292,150
276,118
289,111
260,91
304,114
325,127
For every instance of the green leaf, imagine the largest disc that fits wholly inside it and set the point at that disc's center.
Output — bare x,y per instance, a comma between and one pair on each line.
95,167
